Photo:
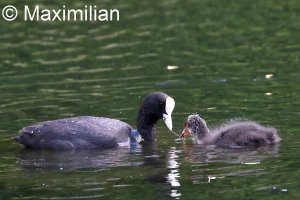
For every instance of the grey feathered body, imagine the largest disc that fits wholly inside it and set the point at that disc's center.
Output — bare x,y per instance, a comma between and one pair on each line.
83,132
242,133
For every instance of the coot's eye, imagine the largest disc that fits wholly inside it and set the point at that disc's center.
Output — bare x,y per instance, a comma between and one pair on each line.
162,105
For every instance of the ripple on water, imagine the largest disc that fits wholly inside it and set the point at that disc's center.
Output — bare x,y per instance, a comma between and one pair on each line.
96,30
127,68
122,185
111,35
149,55
62,61
139,15
119,45
143,33
75,39
56,51
71,197
148,27
113,57
29,43
15,35
69,71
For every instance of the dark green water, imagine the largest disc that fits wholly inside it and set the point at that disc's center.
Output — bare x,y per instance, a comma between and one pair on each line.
233,59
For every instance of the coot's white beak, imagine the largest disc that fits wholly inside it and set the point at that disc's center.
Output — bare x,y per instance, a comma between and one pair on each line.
170,104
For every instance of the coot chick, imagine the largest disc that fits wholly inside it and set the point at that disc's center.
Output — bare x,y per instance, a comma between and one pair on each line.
88,132
235,133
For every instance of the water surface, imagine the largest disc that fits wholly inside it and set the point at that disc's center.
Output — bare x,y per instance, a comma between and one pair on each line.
226,60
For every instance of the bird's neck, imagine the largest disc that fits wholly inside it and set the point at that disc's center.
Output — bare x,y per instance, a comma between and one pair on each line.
146,125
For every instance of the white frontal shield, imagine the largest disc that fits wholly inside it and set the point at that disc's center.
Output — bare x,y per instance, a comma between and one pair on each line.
170,104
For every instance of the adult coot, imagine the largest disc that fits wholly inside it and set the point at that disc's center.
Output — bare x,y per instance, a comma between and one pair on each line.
87,132
235,133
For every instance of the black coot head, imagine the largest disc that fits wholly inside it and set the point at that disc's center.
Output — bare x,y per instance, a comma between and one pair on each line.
158,105
194,125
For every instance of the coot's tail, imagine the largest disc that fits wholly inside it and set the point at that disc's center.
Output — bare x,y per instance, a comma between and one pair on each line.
272,136
24,138
267,136
17,139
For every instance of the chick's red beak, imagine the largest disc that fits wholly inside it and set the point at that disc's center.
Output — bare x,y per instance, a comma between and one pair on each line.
185,132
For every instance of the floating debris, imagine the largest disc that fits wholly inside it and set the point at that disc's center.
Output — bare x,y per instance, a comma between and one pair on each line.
251,163
212,108
211,178
172,67
268,76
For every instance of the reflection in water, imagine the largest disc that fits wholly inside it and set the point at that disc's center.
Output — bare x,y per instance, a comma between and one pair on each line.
158,172
154,164
74,160
204,159
173,174
239,155
173,165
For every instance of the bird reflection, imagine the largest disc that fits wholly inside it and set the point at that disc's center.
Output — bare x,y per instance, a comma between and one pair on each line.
74,160
174,174
160,171
202,156
153,163
173,165
242,155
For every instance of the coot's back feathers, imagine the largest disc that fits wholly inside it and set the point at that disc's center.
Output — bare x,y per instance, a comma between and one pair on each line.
75,133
